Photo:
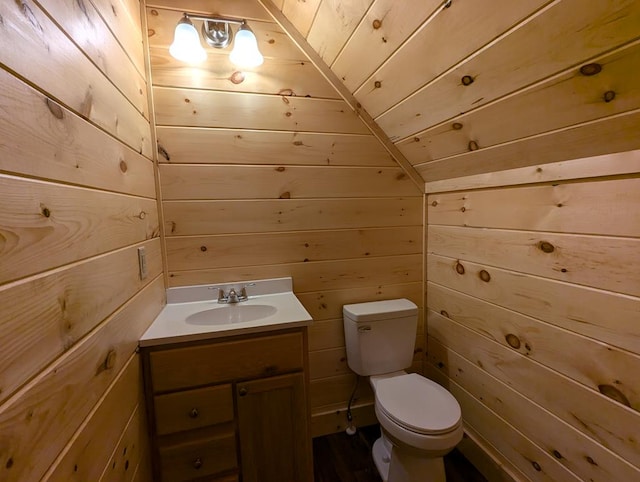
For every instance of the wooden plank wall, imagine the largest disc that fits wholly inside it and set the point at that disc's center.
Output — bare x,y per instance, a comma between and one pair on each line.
487,85
501,94
269,173
77,201
533,296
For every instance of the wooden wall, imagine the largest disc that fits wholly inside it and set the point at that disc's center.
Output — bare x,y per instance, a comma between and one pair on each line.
533,297
269,173
511,113
486,85
77,201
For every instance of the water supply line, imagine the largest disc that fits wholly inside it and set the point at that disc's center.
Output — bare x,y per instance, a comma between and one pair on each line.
351,428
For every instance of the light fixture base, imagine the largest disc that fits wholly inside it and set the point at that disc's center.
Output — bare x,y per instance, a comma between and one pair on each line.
217,34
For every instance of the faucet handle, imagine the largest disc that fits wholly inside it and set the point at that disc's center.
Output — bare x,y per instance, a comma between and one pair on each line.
222,298
243,292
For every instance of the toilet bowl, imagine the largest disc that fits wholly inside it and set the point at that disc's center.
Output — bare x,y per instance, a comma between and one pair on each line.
417,412
420,420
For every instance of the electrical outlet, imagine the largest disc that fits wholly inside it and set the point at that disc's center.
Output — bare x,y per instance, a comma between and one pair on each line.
142,262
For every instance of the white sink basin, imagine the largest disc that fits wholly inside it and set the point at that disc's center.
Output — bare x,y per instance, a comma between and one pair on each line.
231,313
192,313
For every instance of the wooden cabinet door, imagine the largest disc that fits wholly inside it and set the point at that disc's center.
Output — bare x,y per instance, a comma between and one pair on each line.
274,437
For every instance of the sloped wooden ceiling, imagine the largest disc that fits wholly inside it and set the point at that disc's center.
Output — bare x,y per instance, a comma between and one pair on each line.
467,87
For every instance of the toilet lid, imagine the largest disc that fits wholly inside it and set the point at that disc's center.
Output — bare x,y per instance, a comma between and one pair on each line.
418,404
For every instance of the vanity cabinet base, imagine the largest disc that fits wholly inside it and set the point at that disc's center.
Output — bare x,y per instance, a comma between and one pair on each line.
230,408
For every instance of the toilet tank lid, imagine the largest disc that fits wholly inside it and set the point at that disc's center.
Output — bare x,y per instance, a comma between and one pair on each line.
379,310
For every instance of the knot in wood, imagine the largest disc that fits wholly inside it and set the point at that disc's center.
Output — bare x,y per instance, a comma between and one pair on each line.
467,80
615,394
203,248
377,84
536,466
459,268
456,126
546,247
512,340
444,313
485,276
377,24
123,166
110,360
609,95
55,109
473,146
237,77
590,69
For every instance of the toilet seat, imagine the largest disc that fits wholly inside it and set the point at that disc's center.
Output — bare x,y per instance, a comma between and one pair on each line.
418,404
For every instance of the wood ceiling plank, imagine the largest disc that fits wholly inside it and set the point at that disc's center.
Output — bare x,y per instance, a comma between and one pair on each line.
123,19
450,36
35,48
344,92
616,164
620,132
301,14
551,41
82,23
335,21
561,101
383,29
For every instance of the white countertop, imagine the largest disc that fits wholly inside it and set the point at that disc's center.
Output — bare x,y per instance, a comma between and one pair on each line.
174,325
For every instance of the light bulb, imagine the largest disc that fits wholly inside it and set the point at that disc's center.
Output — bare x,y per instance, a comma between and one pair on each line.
186,43
245,51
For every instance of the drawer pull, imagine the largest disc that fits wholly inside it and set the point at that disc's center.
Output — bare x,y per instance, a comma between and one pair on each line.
194,413
197,463
242,392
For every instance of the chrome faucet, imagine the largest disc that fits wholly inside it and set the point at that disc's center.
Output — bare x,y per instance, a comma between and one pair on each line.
233,296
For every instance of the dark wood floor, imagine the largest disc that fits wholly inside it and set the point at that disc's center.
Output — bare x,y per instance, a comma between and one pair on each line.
343,458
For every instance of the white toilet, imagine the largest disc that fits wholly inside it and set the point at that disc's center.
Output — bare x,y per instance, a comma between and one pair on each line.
420,420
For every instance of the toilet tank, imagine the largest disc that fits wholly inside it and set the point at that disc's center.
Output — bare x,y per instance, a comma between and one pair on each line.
380,335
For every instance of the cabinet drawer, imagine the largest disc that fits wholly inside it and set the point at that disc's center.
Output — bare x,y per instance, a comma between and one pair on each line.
198,458
193,409
199,365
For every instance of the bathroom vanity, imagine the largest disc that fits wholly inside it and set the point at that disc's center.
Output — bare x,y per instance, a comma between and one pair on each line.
228,400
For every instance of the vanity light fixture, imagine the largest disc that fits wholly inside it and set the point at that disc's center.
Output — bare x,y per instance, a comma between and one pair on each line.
217,32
